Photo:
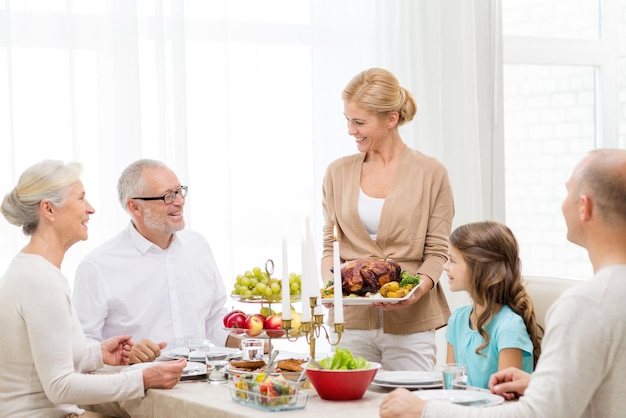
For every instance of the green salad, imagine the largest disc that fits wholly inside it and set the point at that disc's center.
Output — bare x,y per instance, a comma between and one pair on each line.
344,360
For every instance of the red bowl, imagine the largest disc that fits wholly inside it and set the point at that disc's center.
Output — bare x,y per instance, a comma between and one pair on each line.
342,385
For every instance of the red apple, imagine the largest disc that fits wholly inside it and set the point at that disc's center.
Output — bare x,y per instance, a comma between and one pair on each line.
254,325
236,320
261,317
229,314
274,326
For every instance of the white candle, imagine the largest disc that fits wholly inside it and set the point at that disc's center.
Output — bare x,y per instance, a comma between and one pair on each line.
338,300
304,283
285,288
314,277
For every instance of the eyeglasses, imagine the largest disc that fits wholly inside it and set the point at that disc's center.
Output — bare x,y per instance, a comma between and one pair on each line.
168,197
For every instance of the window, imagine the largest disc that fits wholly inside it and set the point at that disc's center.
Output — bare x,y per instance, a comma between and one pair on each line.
562,97
575,19
549,123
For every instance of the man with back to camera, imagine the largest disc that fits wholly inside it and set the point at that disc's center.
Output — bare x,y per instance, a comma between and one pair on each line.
154,280
583,362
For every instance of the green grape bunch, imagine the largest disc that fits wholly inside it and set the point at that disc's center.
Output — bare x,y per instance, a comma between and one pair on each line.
257,283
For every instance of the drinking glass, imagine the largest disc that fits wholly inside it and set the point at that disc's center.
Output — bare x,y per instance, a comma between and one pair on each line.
216,361
198,349
454,376
252,349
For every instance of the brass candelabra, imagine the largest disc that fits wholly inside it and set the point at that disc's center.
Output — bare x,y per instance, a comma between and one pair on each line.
312,330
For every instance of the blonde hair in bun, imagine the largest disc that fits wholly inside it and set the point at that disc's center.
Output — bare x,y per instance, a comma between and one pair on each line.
378,91
46,180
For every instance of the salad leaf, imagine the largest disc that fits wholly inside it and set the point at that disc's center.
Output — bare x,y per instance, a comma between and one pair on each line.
406,278
344,360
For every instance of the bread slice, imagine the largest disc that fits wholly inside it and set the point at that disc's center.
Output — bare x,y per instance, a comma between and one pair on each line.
248,365
291,364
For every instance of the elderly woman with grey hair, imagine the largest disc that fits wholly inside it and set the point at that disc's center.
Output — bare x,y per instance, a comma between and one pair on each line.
43,358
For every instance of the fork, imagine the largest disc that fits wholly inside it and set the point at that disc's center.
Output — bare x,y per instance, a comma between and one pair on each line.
270,364
317,364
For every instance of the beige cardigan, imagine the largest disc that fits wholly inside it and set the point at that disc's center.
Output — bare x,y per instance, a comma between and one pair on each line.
414,229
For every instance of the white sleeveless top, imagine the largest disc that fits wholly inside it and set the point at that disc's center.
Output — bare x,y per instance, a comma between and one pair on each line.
370,209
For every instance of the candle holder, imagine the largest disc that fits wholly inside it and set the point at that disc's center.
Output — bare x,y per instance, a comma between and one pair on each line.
312,330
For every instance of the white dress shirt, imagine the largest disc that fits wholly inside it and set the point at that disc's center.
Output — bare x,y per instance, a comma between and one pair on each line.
130,286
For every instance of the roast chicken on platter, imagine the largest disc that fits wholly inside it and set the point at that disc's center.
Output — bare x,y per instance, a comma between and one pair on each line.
361,277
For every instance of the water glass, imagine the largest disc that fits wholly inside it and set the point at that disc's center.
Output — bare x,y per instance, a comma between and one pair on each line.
252,349
454,376
198,349
216,362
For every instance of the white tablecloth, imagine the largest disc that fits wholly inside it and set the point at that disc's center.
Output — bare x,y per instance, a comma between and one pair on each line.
201,399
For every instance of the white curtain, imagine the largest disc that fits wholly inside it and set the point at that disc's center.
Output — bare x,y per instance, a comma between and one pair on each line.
242,98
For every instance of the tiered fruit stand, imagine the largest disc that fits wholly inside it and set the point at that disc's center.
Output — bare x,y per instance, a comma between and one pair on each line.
312,329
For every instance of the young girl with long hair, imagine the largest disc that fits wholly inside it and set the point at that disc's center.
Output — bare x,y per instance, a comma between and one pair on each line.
499,329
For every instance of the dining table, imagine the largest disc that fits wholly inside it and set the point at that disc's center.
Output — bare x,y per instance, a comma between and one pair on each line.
200,398
197,396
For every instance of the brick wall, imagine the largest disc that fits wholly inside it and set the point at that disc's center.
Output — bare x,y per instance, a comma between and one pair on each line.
549,125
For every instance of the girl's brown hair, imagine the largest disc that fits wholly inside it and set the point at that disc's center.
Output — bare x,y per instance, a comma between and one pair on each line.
492,256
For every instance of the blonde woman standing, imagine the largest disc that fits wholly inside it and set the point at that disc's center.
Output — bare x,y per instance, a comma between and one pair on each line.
389,201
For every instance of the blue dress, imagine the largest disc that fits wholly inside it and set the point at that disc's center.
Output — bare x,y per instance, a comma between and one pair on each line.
506,330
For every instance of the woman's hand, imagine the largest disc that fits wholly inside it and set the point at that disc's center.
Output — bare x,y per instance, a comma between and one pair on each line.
401,404
116,350
163,375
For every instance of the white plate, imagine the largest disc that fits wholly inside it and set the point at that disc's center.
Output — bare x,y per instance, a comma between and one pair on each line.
192,368
183,352
407,377
407,385
369,300
461,397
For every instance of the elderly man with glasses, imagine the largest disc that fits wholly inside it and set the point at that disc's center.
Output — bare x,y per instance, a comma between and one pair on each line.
154,280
